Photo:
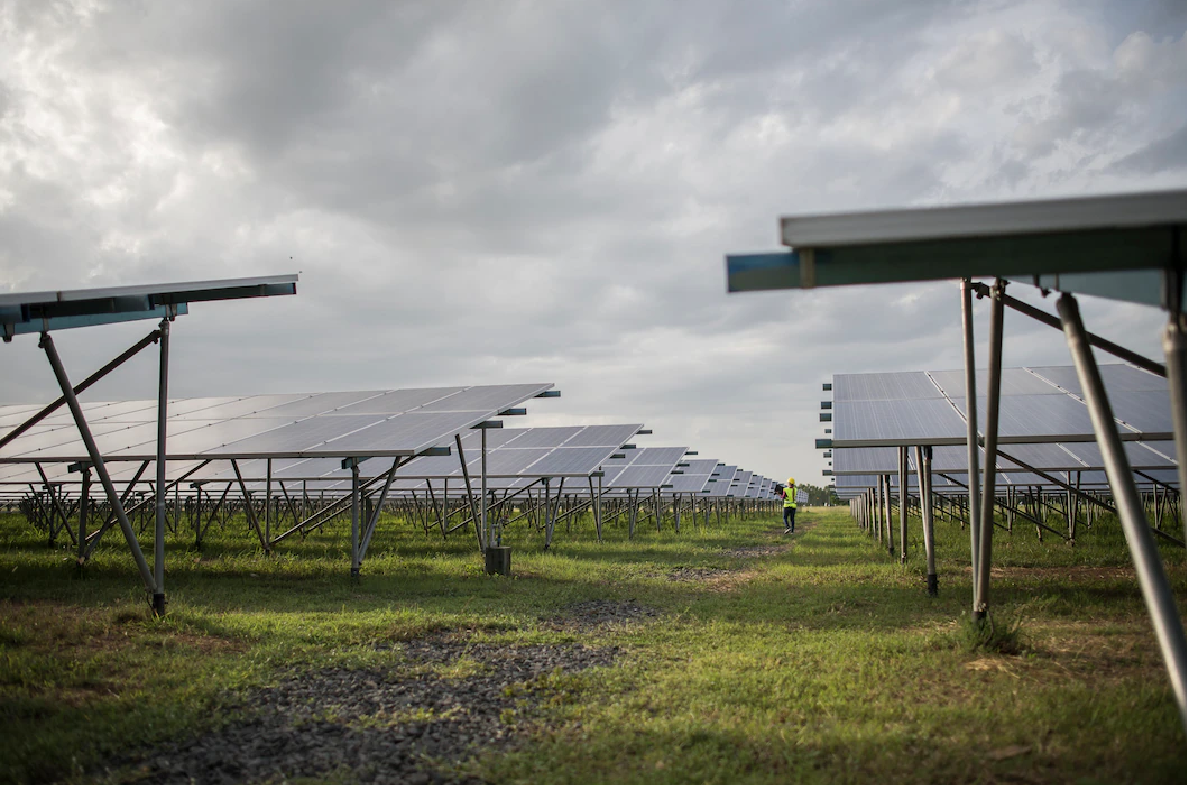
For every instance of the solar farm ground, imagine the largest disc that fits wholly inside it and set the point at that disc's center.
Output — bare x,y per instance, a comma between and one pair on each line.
721,654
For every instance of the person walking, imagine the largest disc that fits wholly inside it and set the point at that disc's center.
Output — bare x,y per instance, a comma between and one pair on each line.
789,506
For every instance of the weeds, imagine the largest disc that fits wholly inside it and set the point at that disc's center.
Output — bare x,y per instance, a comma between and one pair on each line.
992,634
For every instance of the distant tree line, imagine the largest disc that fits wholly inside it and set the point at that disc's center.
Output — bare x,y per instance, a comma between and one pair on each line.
820,495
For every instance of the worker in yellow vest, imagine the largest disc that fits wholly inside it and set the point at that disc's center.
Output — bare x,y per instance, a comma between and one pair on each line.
789,506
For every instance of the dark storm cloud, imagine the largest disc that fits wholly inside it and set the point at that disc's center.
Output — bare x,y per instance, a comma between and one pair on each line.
489,192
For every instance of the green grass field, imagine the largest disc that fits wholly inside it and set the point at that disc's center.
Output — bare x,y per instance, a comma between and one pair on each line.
821,662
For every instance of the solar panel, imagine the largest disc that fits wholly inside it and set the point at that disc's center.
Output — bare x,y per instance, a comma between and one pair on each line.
33,312
695,478
1033,407
641,477
545,437
740,483
272,426
1015,381
883,387
895,422
532,452
1117,378
395,401
571,460
487,398
719,482
647,467
603,436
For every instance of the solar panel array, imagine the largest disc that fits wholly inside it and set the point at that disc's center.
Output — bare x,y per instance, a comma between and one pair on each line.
287,438
318,425
1043,423
1040,404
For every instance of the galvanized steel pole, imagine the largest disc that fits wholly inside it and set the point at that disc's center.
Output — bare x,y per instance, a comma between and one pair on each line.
902,504
1156,589
83,508
268,502
923,461
485,502
158,600
992,407
1174,345
970,397
354,518
598,507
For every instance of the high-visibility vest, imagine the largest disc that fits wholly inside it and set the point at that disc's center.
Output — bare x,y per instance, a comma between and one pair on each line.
789,496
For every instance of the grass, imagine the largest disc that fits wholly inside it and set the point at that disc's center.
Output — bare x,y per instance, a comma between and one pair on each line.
826,662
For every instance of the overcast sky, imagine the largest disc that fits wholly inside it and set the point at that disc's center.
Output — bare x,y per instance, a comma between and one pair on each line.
484,192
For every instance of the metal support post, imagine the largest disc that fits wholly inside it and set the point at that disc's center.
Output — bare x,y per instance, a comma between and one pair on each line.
597,506
158,600
1156,589
461,455
83,505
198,516
486,533
354,519
1174,345
878,508
268,502
547,491
113,498
989,495
633,511
923,464
970,397
902,503
373,518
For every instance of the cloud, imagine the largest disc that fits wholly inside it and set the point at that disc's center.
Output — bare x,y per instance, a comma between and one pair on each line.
493,192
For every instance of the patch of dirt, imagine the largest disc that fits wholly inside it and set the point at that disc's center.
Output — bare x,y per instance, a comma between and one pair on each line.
1077,573
377,726
730,579
1083,651
990,664
69,630
596,615
697,573
756,551
1080,652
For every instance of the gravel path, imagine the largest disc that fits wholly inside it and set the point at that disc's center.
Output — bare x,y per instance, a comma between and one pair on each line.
376,726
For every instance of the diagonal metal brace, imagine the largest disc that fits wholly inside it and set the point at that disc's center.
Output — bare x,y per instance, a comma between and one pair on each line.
1051,320
82,386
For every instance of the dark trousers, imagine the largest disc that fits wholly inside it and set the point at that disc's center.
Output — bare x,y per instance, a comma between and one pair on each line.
789,518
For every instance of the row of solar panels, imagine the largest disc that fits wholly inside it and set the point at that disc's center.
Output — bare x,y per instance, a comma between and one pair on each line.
303,437
1044,426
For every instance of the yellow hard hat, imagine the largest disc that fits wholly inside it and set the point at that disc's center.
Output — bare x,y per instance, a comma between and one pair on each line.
791,480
